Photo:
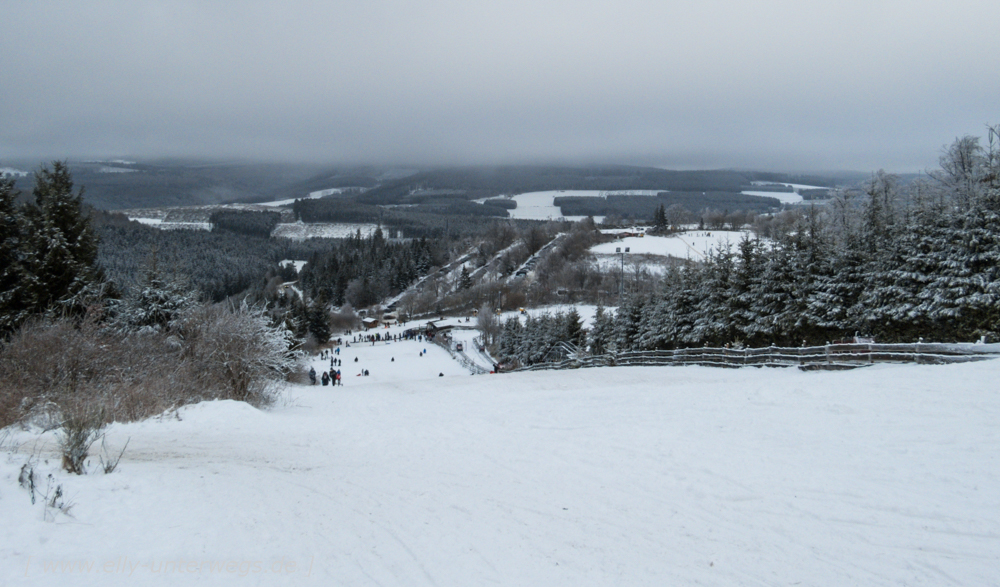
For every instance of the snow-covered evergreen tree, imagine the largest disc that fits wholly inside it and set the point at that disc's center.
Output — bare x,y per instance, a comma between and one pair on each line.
712,323
572,328
12,274
627,320
600,333
510,341
157,302
61,248
741,305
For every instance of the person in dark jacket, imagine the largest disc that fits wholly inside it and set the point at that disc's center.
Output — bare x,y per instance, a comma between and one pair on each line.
312,376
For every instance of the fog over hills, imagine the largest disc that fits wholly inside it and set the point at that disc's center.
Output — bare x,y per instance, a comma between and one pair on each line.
845,85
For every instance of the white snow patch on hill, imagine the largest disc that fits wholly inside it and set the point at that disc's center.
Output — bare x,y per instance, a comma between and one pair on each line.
10,171
289,262
684,245
792,197
783,197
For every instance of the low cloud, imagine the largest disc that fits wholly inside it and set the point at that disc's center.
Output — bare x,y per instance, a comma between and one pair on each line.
770,85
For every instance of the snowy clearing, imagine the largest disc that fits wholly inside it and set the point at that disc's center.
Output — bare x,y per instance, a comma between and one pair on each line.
289,262
684,245
784,197
656,476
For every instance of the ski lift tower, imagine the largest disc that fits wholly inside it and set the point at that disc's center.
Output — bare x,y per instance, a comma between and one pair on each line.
621,283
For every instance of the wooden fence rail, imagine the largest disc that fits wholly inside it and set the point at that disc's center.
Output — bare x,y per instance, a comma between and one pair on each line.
831,356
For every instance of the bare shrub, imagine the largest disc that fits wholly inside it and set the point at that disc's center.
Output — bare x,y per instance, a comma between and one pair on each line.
241,355
80,430
48,368
109,462
345,318
488,324
51,370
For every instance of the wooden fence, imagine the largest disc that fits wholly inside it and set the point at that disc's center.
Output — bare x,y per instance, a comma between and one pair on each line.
831,356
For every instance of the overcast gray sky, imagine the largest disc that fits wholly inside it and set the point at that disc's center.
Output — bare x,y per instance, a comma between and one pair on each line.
784,85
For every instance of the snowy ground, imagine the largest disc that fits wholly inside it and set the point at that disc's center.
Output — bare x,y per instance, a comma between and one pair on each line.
694,244
293,263
792,197
783,197
886,475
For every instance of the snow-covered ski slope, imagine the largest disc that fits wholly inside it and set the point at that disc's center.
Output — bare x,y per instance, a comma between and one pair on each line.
618,476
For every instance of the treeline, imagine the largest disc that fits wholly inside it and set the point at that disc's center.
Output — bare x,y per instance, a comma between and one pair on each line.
77,353
538,339
430,221
218,263
346,209
47,250
898,264
364,271
645,206
245,222
485,182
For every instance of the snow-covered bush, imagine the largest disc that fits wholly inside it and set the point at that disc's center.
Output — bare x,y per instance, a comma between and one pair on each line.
51,368
241,354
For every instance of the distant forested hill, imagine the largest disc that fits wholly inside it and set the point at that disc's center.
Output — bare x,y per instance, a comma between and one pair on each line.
484,182
219,263
645,206
113,185
118,185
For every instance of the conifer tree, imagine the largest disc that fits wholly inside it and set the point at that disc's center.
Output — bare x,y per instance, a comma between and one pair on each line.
572,328
157,302
12,275
600,332
61,245
465,280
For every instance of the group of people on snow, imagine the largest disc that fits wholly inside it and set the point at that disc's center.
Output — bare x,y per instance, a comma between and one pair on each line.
326,378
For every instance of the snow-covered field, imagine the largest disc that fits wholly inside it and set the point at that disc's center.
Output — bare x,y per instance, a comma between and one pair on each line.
785,197
885,475
694,244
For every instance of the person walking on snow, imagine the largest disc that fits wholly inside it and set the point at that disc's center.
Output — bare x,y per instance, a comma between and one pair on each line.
312,376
